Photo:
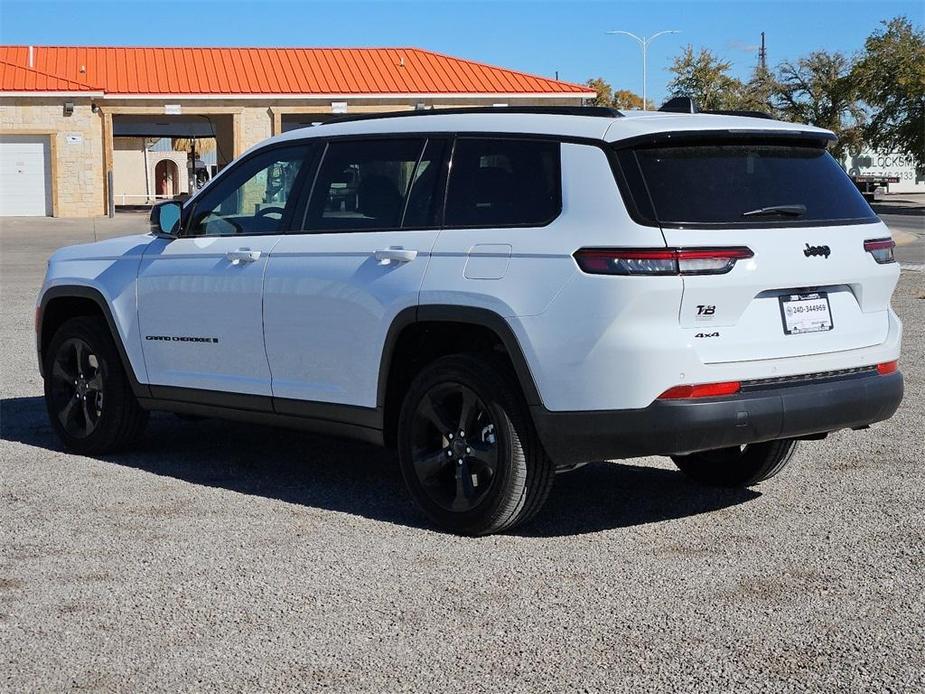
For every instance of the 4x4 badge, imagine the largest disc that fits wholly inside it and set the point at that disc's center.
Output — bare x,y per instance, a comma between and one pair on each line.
810,251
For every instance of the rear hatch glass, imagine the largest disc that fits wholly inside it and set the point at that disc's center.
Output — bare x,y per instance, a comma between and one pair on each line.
748,183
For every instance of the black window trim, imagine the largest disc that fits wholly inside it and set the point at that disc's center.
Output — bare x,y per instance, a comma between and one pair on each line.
317,148
411,181
450,138
309,147
305,200
609,148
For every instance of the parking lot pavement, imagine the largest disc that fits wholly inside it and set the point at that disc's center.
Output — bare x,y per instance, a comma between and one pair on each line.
219,556
905,216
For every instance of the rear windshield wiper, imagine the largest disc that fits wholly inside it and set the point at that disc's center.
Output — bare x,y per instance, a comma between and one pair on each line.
785,210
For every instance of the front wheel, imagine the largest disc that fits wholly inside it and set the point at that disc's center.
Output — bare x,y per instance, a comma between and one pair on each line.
737,466
87,392
468,452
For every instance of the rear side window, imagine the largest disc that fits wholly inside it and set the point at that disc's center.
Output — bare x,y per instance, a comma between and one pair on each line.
503,183
363,185
744,184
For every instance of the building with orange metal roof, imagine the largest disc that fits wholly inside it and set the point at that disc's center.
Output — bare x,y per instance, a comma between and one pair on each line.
77,124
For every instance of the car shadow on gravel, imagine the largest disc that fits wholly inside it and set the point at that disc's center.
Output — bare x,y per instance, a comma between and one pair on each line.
364,480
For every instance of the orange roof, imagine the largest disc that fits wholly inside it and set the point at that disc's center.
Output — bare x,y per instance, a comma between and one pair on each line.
16,78
285,71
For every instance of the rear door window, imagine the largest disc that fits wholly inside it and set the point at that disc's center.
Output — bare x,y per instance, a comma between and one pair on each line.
503,183
743,184
363,185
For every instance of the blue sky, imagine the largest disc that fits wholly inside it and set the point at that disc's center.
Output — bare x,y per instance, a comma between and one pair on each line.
538,37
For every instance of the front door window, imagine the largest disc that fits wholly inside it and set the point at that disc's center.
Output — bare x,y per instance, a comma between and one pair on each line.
253,199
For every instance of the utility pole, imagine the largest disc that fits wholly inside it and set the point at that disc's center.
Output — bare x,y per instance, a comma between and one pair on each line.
644,42
762,55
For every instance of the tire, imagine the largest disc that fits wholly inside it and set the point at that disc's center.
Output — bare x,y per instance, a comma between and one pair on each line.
484,481
88,396
743,466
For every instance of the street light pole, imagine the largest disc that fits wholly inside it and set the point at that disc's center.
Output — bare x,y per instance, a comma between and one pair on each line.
644,42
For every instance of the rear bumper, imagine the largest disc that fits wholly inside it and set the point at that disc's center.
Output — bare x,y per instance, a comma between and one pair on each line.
758,413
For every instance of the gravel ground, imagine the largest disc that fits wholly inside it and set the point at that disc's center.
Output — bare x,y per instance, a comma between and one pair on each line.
221,557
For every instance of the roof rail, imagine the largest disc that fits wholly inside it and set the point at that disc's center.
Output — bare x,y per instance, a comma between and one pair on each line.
595,111
747,114
685,104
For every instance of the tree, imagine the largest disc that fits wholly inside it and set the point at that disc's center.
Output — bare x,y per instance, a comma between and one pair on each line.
627,100
818,90
760,92
606,96
890,78
704,78
604,91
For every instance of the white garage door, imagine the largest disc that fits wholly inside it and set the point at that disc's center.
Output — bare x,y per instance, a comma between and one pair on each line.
25,176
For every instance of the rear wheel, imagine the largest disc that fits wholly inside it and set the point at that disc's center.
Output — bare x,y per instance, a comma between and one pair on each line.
738,466
87,393
468,452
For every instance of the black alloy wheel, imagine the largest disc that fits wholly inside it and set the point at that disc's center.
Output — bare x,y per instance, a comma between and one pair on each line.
88,395
77,377
468,452
454,450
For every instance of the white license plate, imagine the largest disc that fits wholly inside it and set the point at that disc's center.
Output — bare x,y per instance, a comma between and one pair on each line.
805,313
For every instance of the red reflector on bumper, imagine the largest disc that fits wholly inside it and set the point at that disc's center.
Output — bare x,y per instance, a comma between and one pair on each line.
702,390
887,367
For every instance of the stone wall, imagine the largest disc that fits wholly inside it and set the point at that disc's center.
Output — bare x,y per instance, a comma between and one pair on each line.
77,155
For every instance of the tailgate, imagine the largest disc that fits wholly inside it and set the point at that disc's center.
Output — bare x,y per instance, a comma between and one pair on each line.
740,316
805,281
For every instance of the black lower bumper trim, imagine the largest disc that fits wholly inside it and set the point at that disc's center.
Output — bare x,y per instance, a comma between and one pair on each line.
669,427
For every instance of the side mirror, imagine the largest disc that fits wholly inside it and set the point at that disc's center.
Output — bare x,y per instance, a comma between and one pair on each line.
165,219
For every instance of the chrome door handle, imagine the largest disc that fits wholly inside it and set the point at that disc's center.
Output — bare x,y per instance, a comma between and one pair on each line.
242,255
386,255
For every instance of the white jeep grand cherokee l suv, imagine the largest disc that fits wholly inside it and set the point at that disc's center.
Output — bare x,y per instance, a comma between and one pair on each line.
500,294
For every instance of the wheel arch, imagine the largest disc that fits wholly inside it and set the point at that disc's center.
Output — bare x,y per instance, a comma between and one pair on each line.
480,329
61,302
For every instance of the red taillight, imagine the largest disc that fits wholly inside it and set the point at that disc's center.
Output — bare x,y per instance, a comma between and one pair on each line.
887,367
660,261
881,250
702,390
613,261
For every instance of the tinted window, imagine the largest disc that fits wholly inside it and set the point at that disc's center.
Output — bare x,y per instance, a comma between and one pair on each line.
744,183
252,198
496,182
363,185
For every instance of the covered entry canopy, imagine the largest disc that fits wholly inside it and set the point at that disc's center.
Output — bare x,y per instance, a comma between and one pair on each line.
166,125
